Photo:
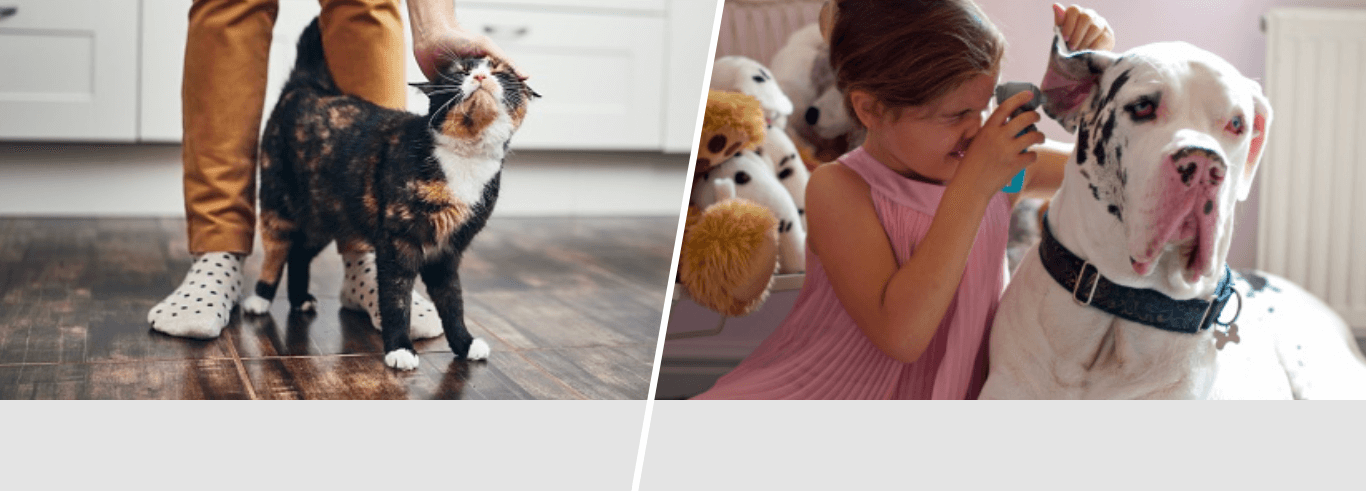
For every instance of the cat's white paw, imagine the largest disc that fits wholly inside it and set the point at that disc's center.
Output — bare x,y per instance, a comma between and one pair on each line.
256,305
479,350
308,306
401,359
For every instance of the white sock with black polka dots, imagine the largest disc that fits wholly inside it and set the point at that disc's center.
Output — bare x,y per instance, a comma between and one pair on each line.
201,306
359,291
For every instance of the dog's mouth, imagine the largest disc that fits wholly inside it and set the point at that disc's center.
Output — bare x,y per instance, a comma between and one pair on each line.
1185,231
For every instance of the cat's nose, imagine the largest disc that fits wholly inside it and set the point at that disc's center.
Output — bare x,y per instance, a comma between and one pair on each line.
479,77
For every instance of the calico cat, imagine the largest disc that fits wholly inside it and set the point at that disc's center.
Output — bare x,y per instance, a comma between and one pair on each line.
416,188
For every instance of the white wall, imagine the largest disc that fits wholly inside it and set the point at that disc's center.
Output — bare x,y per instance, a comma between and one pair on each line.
144,180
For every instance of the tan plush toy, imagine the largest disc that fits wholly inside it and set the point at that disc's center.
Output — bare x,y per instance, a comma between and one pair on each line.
730,247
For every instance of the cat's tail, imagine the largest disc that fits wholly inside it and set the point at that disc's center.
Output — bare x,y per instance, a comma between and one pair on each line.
310,68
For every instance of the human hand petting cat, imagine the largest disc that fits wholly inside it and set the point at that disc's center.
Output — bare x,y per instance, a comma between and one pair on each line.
429,47
1083,29
436,34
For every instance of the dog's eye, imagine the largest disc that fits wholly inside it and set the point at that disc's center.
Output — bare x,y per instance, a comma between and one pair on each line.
1143,109
1235,125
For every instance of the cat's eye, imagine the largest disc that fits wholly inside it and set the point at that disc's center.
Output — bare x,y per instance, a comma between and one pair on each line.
1235,125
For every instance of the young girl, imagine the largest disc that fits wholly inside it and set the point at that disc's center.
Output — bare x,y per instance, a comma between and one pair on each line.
907,238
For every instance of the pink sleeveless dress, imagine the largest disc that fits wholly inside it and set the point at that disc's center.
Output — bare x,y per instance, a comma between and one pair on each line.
819,353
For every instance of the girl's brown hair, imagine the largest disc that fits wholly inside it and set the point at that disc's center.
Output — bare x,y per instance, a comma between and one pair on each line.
910,52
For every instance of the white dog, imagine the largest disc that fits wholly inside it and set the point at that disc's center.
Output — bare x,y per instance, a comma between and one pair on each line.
1128,294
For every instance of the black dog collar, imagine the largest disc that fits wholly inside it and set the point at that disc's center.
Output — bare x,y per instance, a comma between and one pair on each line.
1143,306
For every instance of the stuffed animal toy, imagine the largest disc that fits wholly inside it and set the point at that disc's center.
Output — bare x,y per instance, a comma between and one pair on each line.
790,168
820,120
730,245
749,77
748,176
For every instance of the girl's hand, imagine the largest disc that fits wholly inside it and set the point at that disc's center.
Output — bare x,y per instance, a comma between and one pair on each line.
996,154
1083,29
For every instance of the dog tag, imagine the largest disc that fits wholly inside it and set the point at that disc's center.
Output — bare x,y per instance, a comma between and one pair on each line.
1224,337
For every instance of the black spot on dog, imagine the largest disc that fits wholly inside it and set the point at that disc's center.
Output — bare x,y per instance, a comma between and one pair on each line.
1095,192
1083,139
1114,210
1187,172
1257,282
1115,86
1106,132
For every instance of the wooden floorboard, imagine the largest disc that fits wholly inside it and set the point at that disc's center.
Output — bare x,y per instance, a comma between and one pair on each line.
571,308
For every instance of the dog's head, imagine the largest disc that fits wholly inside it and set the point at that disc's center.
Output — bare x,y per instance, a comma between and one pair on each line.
1168,141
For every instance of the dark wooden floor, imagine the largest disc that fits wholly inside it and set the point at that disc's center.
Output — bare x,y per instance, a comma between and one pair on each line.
571,308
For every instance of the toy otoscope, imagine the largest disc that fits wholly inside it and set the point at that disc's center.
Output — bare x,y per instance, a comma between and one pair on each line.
1003,92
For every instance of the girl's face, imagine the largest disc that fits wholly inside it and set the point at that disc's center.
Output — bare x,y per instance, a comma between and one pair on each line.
927,142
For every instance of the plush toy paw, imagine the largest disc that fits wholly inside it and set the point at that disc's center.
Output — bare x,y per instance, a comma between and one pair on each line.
729,255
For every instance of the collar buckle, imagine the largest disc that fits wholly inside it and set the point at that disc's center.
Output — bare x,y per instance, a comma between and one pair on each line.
1095,281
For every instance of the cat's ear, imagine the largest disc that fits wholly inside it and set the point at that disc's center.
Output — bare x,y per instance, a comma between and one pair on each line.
531,92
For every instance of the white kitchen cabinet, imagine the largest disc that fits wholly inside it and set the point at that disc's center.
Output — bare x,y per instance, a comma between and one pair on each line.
68,70
615,74
600,76
690,35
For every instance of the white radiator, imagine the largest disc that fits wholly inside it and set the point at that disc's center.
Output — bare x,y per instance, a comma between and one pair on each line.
1312,211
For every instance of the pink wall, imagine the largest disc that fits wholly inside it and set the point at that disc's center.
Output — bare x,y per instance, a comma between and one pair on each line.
1228,29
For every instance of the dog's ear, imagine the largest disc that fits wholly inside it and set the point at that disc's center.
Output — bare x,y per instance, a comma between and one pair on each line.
1070,80
1261,126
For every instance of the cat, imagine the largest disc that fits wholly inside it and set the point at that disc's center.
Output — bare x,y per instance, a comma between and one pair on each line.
415,188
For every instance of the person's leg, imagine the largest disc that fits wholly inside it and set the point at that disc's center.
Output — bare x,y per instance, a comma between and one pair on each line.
227,48
363,41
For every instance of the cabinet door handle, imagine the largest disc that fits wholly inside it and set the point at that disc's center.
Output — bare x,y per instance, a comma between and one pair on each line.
507,32
7,11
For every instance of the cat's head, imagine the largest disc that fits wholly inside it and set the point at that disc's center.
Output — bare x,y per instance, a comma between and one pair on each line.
470,94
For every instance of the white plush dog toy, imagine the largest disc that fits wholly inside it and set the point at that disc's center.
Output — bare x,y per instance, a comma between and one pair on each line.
802,68
749,176
749,77
1128,296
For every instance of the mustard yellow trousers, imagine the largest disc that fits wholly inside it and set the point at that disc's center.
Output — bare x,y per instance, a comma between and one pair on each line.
224,87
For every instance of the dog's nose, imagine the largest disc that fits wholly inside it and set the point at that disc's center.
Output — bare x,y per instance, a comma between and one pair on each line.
1197,166
812,115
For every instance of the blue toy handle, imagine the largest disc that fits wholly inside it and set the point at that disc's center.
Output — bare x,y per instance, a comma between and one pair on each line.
1016,183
